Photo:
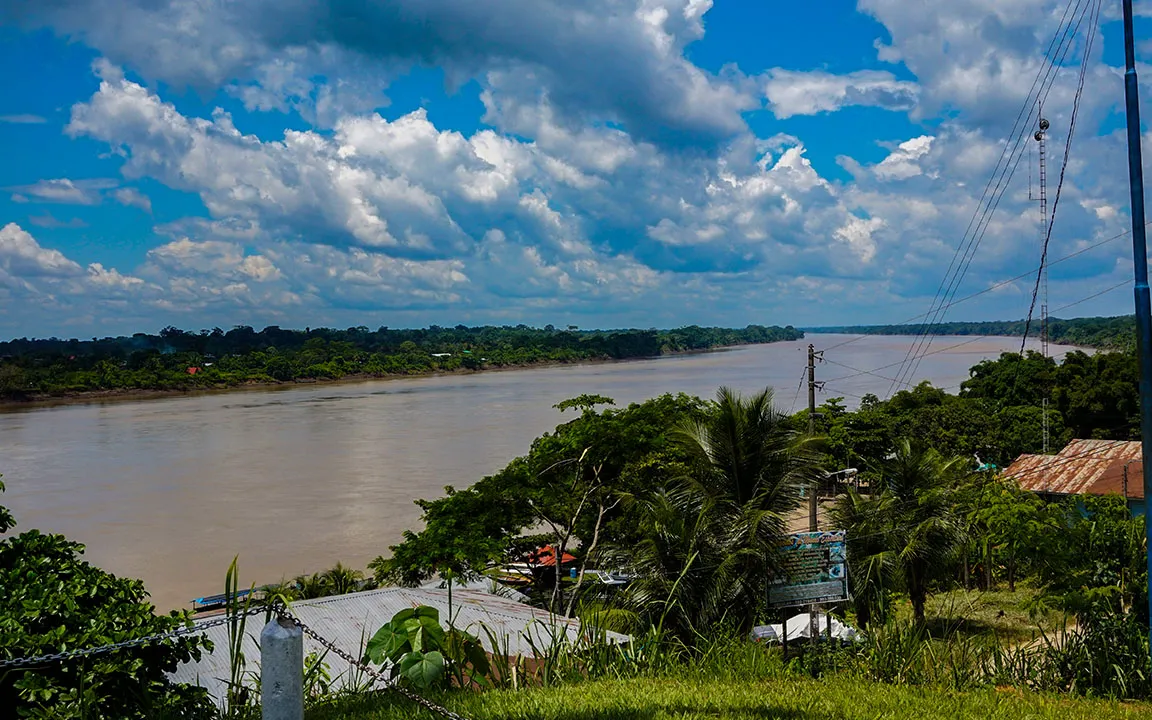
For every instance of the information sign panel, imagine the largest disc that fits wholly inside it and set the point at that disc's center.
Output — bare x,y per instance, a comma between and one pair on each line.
814,570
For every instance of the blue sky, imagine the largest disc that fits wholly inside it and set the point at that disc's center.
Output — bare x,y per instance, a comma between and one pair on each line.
608,163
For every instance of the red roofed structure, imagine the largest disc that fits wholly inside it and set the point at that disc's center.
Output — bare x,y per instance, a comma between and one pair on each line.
546,557
1084,467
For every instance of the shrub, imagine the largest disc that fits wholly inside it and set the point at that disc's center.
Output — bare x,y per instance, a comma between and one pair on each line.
53,601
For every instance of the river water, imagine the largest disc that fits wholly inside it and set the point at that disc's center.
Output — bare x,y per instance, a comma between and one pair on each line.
294,479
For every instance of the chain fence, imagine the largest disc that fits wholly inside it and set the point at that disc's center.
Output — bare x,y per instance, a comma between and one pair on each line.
376,675
277,609
16,663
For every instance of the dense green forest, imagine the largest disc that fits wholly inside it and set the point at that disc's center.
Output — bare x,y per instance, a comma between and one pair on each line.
1097,332
179,360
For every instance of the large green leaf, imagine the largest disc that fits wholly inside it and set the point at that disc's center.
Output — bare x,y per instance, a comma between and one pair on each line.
422,669
416,637
478,659
433,631
424,611
389,643
464,649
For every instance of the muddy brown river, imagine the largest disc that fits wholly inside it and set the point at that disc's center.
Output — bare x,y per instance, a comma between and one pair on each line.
294,479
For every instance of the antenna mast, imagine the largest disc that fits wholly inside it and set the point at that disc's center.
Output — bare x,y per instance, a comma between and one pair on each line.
1041,135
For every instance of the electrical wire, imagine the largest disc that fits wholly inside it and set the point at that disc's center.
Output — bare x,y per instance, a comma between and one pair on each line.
993,287
1093,296
857,372
914,366
1063,168
1001,174
796,397
1091,40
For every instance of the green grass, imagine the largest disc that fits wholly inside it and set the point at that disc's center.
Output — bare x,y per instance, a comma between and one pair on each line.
731,699
985,613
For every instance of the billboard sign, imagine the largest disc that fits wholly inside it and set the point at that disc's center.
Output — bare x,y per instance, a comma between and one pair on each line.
814,570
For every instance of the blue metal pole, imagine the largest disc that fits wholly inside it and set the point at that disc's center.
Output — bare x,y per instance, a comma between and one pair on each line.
1140,263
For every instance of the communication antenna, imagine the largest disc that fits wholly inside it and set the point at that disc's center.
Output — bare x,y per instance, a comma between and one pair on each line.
1041,136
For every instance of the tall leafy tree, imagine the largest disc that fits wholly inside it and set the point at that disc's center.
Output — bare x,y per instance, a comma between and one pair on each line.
568,483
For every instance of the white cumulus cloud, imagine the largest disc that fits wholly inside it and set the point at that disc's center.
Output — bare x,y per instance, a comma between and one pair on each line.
791,92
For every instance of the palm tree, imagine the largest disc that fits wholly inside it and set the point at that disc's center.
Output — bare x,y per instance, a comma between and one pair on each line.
312,586
711,537
672,561
871,566
342,580
908,528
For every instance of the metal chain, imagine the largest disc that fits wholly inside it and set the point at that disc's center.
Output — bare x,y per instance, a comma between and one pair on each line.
279,609
376,675
10,663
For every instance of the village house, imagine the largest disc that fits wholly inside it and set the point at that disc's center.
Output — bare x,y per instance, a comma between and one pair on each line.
1084,467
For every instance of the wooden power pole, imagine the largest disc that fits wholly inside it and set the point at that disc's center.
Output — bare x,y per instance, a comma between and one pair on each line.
812,385
813,524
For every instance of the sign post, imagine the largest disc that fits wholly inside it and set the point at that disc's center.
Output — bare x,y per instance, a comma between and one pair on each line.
815,572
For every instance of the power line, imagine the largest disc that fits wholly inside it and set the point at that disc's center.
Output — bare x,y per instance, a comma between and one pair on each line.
857,372
996,286
1093,296
1001,175
799,385
893,364
1042,273
1064,166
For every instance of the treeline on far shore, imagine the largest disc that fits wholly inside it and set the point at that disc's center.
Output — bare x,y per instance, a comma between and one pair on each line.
1113,333
177,359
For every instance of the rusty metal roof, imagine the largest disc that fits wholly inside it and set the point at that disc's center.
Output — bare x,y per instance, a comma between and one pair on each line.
1083,467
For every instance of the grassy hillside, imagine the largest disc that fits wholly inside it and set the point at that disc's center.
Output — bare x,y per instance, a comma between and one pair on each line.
728,699
1099,332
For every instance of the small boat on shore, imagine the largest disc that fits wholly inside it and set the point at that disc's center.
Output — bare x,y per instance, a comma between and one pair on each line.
215,602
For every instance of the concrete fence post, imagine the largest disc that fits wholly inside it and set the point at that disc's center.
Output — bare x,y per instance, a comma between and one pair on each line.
282,671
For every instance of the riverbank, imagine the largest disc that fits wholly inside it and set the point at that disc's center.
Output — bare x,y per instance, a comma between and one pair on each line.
43,400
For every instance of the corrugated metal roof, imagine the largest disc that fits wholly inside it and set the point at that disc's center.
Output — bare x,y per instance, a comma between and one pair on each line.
349,621
1083,467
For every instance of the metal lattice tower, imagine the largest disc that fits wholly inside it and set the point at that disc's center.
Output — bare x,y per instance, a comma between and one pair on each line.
1041,136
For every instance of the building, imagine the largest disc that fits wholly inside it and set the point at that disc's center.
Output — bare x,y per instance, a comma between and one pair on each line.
1085,467
349,621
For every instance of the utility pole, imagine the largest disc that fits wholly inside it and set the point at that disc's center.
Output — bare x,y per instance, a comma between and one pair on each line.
1140,267
813,524
812,507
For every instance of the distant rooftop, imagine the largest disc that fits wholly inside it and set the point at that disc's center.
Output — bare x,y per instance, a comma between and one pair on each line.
1083,467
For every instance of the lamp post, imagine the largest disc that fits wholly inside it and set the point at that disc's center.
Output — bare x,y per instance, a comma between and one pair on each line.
1140,268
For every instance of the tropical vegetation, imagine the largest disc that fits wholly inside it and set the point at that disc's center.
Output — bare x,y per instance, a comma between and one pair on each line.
1115,333
691,501
176,359
52,601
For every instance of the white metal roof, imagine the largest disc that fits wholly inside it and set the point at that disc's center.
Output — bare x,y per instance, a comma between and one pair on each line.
349,621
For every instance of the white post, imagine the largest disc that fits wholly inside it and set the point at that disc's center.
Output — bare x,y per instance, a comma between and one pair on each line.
282,671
